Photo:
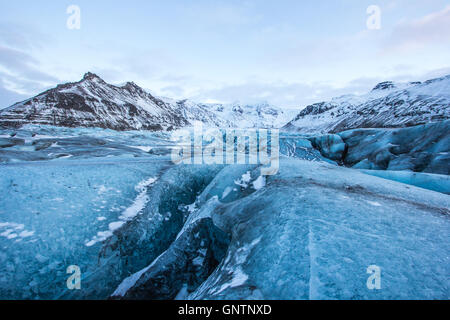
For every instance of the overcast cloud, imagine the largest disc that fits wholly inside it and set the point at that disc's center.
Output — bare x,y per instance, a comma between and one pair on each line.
289,53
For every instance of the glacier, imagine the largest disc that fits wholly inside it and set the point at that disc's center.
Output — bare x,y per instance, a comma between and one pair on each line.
304,237
141,227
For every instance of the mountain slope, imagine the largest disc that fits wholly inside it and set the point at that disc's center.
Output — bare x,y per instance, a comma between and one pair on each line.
92,102
235,115
389,105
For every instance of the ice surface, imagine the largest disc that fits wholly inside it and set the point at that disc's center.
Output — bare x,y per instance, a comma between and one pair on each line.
57,213
331,146
315,238
189,260
58,206
299,146
424,148
306,236
435,182
141,227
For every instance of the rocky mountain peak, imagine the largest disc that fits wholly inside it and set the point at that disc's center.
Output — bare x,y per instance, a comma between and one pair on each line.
133,87
91,76
92,102
388,105
384,86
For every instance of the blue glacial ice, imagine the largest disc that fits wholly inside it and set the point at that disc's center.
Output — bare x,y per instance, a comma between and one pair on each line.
430,181
64,208
304,236
424,148
140,227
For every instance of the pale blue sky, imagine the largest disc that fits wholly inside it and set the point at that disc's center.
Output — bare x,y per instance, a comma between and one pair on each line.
290,53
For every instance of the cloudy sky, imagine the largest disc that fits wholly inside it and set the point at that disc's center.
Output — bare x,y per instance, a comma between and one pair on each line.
287,52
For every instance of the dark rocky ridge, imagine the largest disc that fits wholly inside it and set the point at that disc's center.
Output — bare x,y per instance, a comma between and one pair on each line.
92,102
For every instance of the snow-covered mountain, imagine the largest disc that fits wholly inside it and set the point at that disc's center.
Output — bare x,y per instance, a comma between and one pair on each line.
235,115
388,105
92,102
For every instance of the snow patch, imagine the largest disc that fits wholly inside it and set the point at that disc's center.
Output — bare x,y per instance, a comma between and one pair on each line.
226,192
143,148
374,203
132,211
14,230
259,183
244,181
